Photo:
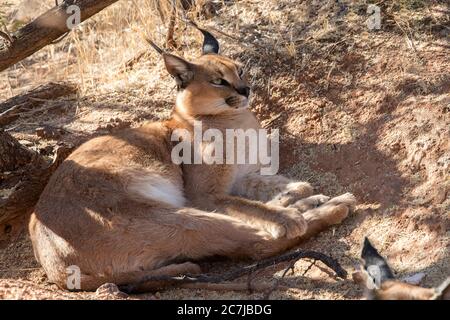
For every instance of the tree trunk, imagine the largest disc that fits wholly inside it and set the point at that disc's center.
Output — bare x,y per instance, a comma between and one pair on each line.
23,176
46,29
12,154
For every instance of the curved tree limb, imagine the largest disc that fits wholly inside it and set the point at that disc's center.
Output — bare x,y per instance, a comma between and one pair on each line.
159,282
45,29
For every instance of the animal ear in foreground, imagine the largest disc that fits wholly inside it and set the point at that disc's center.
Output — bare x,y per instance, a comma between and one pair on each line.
379,282
374,264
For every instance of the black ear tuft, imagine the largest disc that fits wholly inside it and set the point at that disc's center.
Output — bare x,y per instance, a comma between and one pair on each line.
368,250
375,265
154,45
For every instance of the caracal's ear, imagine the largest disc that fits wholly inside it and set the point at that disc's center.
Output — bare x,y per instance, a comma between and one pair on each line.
443,291
179,68
210,43
375,265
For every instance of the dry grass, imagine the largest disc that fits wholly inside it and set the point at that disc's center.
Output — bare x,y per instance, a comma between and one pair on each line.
359,111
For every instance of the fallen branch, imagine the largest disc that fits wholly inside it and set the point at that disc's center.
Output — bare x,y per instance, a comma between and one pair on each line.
45,29
129,65
277,281
10,109
159,282
254,286
409,39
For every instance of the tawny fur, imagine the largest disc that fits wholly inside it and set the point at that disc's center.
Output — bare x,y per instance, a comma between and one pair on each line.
120,209
398,290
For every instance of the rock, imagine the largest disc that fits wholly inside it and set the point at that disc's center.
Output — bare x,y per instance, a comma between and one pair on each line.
441,195
110,289
49,132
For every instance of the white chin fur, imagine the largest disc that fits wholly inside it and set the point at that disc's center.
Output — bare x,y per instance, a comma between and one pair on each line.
244,104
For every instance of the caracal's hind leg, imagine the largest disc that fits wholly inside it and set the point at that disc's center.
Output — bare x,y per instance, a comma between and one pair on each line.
206,234
252,243
183,234
188,234
274,190
330,213
209,234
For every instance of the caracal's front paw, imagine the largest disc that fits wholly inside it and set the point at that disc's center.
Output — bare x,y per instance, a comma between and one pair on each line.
310,202
289,224
347,199
293,192
337,209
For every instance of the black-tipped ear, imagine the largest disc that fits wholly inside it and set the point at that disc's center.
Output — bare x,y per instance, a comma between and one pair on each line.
210,43
179,68
375,265
443,291
154,45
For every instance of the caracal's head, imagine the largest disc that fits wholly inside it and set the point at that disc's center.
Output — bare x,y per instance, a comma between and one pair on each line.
210,85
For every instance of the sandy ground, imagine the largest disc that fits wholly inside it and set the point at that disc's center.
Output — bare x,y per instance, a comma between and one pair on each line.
359,111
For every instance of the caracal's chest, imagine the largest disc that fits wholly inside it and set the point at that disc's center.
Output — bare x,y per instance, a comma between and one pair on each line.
228,151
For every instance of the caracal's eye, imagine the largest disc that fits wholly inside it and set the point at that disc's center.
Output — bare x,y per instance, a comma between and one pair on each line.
219,82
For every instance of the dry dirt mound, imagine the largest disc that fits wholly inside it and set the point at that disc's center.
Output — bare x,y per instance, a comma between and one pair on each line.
360,111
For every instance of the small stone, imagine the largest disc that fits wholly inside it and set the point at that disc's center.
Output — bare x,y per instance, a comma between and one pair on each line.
110,289
48,132
441,195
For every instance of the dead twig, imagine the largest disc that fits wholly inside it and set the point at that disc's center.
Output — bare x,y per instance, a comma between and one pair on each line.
277,281
170,42
409,39
158,282
313,263
268,123
255,286
129,65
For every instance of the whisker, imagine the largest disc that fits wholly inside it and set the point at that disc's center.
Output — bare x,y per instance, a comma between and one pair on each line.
219,104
